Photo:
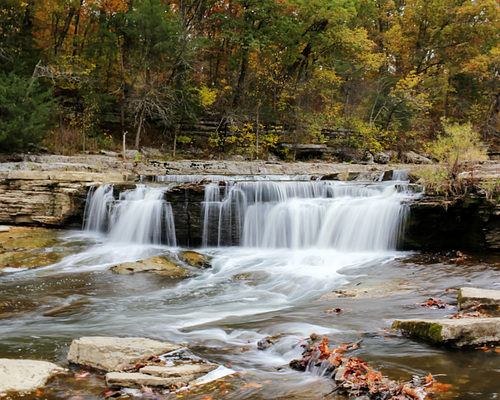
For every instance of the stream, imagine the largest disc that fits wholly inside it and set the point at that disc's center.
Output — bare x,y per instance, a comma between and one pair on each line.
285,254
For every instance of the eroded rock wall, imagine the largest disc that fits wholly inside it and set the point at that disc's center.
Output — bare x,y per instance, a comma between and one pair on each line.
47,198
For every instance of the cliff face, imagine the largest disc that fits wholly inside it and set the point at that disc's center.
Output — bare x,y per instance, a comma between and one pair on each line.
47,198
470,222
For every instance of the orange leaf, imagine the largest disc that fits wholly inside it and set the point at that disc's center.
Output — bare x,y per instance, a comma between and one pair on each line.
253,384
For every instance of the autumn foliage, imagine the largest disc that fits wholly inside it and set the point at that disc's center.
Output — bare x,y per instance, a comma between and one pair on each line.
355,377
369,74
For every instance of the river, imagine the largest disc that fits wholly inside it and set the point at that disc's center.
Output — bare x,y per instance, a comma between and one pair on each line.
285,255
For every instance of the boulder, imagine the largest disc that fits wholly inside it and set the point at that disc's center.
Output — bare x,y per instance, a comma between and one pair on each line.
381,157
453,332
194,259
25,375
413,158
158,265
487,300
115,354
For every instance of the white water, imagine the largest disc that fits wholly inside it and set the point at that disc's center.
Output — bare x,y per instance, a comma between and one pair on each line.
296,241
300,215
139,216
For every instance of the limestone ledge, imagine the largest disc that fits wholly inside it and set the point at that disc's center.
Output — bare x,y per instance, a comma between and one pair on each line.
49,198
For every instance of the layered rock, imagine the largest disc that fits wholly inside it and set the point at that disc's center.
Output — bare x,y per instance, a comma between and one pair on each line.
49,198
463,329
485,300
159,376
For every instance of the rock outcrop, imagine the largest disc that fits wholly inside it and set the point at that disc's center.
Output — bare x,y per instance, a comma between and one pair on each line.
47,198
25,375
113,354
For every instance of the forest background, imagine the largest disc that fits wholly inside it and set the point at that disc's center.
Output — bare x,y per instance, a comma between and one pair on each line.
80,75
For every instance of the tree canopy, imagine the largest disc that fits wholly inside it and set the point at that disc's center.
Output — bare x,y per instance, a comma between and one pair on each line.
388,72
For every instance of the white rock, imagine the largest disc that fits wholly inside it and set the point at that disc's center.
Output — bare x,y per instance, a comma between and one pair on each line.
115,354
25,375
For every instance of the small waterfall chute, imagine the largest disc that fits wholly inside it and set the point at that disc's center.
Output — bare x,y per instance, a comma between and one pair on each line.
141,215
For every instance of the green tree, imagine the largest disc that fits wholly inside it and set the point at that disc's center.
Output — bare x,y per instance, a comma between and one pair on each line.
25,110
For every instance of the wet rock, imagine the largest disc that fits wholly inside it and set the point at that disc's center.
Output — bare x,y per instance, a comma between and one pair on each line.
453,332
265,343
115,354
193,371
486,300
158,265
137,380
25,375
159,376
194,259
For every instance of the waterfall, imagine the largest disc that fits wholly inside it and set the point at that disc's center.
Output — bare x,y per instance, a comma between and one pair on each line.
95,217
299,215
141,215
273,214
400,175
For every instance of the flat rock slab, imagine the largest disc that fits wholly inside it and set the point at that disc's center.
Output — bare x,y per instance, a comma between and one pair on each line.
177,371
454,332
115,354
488,300
137,380
25,375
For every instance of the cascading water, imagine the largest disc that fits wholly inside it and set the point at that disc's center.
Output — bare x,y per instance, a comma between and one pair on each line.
283,254
139,216
300,215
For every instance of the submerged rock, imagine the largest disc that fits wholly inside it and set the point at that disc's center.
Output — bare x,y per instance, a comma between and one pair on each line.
483,299
194,259
453,332
158,265
116,354
25,375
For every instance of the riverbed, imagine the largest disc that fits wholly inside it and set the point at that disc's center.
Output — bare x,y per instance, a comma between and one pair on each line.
285,291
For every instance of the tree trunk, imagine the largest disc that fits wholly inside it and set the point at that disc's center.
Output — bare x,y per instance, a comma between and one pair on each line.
139,128
240,88
492,122
64,33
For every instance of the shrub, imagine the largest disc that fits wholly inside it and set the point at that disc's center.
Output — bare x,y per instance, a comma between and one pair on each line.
456,151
